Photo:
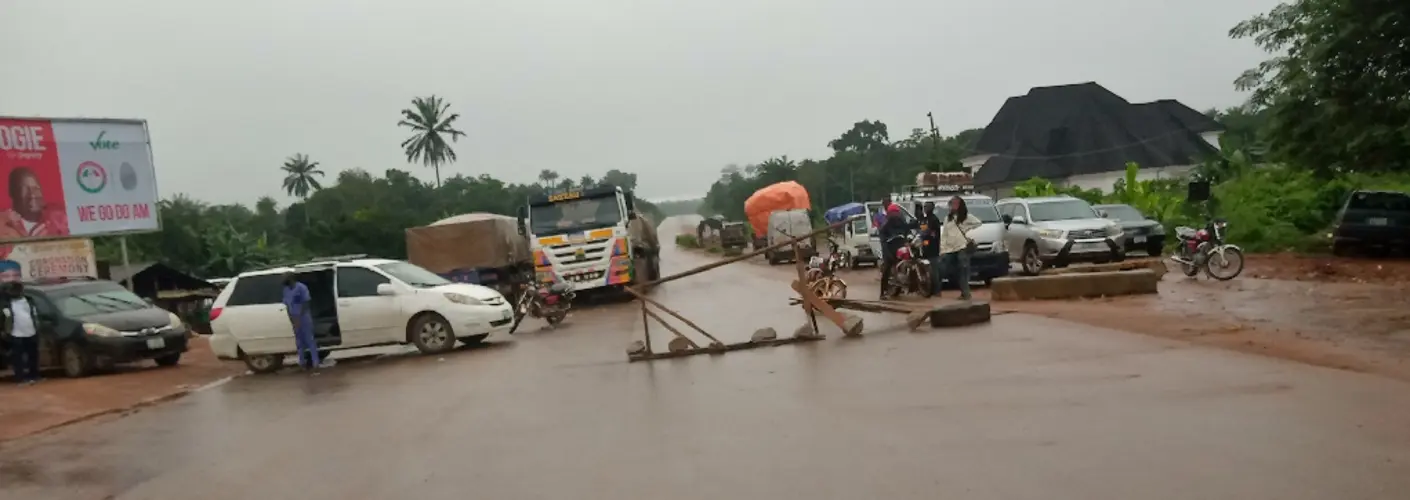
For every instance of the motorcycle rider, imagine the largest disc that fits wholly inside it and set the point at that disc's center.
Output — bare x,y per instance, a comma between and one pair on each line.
893,236
930,231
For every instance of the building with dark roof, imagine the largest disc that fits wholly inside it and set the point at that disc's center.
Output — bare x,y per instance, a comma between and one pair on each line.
1083,135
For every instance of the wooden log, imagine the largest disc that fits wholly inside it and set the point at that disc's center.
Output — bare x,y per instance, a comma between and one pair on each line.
721,348
674,314
848,327
672,329
646,327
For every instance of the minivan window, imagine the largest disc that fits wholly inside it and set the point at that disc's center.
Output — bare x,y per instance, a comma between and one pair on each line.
256,290
1061,210
359,282
413,274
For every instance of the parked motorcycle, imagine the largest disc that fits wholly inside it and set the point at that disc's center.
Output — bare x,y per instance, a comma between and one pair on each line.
912,272
821,275
1205,249
548,301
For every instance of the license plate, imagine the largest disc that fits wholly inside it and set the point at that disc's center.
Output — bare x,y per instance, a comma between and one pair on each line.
1139,239
1378,221
1088,247
156,343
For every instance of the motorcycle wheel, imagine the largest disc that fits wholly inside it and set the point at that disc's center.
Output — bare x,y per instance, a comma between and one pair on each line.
1190,270
556,317
837,289
1230,268
922,281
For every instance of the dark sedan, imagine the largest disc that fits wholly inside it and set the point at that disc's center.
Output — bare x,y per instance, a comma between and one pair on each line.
86,324
1142,234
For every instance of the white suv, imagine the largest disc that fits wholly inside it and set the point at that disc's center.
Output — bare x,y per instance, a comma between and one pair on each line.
356,302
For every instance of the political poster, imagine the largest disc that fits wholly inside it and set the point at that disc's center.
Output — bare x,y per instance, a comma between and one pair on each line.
75,178
40,260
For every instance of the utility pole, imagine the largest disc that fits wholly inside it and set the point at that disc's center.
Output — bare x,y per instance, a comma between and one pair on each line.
934,139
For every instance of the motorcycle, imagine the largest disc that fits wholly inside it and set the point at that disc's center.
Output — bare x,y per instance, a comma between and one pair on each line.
1205,249
911,273
550,302
821,275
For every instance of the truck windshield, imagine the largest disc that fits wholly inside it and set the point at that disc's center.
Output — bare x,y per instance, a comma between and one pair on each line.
576,215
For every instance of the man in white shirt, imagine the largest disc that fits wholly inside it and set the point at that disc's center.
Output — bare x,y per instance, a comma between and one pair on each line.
20,327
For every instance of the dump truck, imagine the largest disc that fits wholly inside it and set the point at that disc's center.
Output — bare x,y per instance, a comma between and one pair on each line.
592,238
480,248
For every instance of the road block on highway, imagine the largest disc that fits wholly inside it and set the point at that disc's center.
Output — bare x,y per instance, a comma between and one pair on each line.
942,316
1156,265
682,345
1075,285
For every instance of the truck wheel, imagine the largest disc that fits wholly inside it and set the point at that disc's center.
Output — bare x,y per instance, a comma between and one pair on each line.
655,268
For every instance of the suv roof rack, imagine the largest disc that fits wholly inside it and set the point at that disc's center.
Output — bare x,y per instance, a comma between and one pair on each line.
339,258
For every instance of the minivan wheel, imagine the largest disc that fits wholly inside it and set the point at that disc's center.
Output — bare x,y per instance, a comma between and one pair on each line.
1032,263
263,364
432,334
77,360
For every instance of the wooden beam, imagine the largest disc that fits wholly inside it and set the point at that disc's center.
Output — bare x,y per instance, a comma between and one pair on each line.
738,258
646,328
671,328
674,314
720,348
818,304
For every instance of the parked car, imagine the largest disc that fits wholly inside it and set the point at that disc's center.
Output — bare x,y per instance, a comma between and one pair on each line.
88,324
1372,220
1142,234
356,302
990,259
1058,230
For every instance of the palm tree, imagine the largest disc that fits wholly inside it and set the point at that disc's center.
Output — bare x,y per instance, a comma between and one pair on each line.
548,177
300,176
431,121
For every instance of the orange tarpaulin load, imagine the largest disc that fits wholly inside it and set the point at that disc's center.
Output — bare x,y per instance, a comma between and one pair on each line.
782,196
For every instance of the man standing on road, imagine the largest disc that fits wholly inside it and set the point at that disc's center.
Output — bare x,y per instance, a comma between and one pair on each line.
296,303
930,231
21,327
878,219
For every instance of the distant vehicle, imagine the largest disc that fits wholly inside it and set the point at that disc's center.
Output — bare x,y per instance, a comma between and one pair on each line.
593,238
785,225
1142,234
1372,220
356,302
1058,230
87,324
734,235
477,248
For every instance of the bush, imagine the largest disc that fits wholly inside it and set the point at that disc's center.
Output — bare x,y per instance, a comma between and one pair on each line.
734,252
687,241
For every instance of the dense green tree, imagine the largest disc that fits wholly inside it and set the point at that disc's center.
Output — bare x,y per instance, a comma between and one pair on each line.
1337,89
431,123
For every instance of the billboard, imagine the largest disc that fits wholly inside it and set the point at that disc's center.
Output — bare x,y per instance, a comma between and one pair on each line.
75,177
47,259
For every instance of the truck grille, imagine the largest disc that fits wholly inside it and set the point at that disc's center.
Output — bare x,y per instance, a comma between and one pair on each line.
587,276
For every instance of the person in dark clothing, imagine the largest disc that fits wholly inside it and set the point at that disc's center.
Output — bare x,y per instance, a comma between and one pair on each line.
930,231
893,236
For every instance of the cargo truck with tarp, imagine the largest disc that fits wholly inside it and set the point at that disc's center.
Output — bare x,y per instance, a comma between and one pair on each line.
479,248
778,213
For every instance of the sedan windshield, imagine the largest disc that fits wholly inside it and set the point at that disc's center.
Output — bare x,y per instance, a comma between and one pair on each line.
1123,213
96,299
413,275
1061,210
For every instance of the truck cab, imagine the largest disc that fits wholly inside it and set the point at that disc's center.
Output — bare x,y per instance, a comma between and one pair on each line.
592,238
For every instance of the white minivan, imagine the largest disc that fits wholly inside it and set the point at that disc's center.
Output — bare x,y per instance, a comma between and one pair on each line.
356,302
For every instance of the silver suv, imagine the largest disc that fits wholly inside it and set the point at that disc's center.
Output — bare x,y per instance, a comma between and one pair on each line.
1058,230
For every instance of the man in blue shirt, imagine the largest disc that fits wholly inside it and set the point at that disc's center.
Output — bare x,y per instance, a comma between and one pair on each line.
296,303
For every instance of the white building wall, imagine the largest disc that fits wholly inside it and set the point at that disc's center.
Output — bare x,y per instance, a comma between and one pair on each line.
1105,180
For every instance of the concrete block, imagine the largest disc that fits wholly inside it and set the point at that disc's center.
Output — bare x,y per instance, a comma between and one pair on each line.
636,347
1076,285
678,344
852,325
763,335
959,314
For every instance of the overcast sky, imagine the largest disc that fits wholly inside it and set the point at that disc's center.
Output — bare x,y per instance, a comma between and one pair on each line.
670,90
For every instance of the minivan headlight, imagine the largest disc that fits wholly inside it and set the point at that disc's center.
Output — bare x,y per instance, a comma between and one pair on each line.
98,330
999,246
1052,234
460,298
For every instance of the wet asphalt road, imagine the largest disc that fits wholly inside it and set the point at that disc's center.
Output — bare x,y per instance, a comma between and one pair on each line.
1024,408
